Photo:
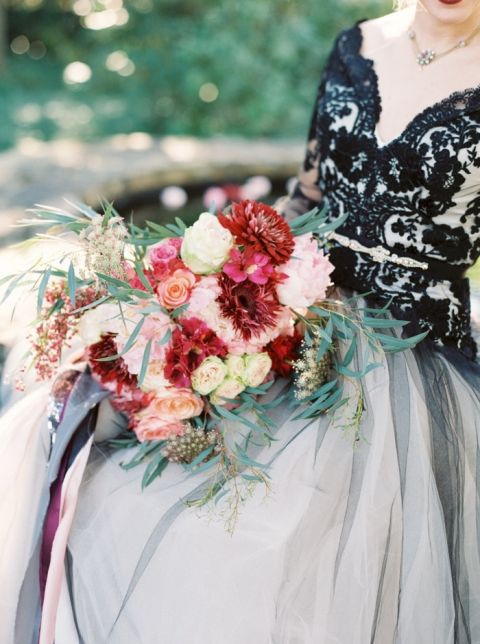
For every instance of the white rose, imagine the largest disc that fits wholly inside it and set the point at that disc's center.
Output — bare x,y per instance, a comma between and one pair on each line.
95,322
209,375
235,366
257,367
206,245
230,388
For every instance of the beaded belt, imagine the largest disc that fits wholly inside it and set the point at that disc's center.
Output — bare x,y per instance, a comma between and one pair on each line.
433,267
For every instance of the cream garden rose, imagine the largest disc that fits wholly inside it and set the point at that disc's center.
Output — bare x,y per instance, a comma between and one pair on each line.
257,368
206,245
236,366
209,375
230,388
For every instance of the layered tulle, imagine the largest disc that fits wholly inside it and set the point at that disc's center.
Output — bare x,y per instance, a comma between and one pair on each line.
377,543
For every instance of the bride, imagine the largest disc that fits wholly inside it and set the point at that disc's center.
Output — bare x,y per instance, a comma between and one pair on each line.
379,544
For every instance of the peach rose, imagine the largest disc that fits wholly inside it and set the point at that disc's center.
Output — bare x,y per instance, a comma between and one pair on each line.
175,404
175,289
153,428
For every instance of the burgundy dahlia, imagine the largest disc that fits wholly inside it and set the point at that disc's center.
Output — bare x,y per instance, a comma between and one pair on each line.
259,227
252,308
109,371
190,344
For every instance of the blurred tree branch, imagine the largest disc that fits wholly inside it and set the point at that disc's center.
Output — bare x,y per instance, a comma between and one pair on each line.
3,35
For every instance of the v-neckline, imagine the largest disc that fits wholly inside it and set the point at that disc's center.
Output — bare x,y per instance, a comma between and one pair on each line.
447,101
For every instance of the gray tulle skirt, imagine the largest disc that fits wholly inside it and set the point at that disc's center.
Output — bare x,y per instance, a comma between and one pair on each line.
374,544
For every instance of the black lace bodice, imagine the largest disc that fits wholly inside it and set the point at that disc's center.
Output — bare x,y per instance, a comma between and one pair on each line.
418,195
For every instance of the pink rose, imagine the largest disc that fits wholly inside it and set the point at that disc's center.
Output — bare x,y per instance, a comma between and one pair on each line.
164,251
308,274
153,428
174,290
175,404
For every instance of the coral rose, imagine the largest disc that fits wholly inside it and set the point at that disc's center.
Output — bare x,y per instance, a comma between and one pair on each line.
176,404
175,289
153,428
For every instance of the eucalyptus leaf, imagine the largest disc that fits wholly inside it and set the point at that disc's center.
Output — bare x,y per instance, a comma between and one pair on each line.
145,362
42,289
72,284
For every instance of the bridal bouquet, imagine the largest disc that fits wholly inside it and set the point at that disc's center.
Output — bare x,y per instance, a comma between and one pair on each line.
189,327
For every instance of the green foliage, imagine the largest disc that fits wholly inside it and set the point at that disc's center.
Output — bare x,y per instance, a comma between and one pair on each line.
265,57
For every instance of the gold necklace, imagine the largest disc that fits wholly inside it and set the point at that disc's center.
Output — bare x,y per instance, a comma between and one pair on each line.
427,56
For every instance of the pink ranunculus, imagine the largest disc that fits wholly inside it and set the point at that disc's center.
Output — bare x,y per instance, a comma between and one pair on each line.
163,255
153,428
175,404
203,294
307,274
174,290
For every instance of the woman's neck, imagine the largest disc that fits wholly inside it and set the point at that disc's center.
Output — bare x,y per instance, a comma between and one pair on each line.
433,32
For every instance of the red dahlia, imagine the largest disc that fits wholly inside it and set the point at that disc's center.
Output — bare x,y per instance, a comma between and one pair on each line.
259,227
110,370
191,343
251,308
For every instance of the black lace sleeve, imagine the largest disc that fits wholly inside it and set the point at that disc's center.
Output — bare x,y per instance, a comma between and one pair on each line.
305,192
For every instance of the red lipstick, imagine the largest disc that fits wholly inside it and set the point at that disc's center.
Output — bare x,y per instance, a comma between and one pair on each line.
450,1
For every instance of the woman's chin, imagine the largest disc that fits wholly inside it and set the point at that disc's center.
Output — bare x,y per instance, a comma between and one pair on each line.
453,11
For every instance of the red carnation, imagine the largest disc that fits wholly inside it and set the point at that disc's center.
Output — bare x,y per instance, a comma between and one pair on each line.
130,402
109,371
190,344
282,351
259,227
251,308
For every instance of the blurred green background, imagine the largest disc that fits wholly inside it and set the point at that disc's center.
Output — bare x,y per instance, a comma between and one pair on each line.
92,68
